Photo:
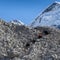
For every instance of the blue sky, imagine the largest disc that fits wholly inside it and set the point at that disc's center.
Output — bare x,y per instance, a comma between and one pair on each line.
24,10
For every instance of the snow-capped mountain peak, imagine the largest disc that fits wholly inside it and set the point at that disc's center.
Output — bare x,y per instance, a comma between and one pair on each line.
17,22
49,17
57,2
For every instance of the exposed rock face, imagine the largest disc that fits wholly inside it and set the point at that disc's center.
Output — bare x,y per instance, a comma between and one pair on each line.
22,43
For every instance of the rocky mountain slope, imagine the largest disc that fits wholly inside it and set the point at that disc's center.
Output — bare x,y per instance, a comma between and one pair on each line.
49,17
18,42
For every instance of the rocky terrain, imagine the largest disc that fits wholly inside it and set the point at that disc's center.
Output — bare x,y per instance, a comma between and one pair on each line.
19,42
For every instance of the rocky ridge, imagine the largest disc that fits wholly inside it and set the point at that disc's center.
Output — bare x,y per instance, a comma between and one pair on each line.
23,43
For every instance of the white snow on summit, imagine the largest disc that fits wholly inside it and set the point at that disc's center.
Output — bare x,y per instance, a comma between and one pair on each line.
17,22
57,2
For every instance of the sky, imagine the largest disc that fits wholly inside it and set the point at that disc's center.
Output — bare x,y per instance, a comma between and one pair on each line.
24,10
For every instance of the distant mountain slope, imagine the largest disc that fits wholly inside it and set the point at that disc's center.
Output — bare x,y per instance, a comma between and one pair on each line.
49,17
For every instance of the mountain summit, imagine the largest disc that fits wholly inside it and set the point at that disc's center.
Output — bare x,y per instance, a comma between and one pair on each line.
17,22
49,17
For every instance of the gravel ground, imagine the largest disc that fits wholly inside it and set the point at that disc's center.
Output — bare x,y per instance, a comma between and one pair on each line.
22,43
